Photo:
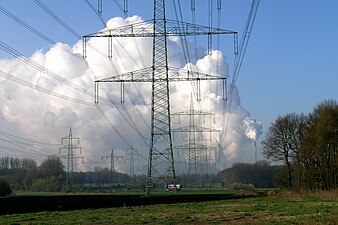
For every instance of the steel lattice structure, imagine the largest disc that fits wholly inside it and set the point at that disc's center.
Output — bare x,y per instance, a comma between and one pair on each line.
70,143
112,158
161,161
192,146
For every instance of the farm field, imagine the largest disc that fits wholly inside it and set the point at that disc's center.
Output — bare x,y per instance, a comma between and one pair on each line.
280,208
139,192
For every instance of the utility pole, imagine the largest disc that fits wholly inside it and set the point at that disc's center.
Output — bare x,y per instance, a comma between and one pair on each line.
160,74
112,158
70,143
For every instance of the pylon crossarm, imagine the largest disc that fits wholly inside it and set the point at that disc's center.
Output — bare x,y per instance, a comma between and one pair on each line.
174,74
196,146
194,129
177,28
65,140
142,75
146,29
193,112
178,74
140,29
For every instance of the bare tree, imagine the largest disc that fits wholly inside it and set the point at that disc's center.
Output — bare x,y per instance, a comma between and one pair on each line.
51,166
283,140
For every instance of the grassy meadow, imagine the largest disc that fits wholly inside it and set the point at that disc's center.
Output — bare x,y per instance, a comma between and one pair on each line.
277,208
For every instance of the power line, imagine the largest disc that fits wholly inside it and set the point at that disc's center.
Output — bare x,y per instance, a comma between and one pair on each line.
18,152
54,16
49,73
25,139
227,106
57,19
113,127
109,56
98,13
26,25
53,42
123,8
19,144
41,89
244,42
25,83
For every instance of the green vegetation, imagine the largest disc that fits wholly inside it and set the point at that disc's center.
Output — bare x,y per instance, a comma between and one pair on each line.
278,208
140,192
308,146
5,189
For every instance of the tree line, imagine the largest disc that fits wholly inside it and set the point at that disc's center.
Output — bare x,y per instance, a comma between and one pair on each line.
259,175
7,162
307,145
50,176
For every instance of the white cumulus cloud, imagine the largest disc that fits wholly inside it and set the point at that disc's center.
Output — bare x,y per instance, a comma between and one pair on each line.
45,117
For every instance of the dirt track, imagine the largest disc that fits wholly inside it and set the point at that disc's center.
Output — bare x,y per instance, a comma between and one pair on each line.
29,204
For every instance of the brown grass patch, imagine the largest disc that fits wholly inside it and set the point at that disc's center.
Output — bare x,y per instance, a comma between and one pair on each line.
298,195
320,194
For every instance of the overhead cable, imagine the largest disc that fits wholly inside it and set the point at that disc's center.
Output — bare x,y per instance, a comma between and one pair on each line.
44,70
244,42
26,25
41,89
25,139
57,19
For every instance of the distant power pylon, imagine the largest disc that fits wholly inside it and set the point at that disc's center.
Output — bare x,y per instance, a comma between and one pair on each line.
161,160
70,143
112,158
130,155
192,146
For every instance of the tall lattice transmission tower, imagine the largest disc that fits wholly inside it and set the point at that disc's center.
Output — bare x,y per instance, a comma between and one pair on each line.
160,74
193,147
70,143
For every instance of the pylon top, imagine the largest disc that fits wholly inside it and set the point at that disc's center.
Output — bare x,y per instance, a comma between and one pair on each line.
146,29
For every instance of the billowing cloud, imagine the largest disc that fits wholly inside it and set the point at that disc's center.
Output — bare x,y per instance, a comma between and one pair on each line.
42,116
239,130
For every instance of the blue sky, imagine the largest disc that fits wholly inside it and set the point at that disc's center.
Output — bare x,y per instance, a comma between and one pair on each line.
290,65
291,62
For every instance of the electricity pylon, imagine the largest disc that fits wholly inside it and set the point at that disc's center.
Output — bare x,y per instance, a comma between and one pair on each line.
130,155
192,146
161,160
70,143
112,158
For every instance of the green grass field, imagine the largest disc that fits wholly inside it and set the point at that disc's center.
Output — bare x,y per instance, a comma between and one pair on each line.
133,192
280,208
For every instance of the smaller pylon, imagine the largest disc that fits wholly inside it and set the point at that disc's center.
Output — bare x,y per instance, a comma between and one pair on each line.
112,158
70,143
193,147
130,155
